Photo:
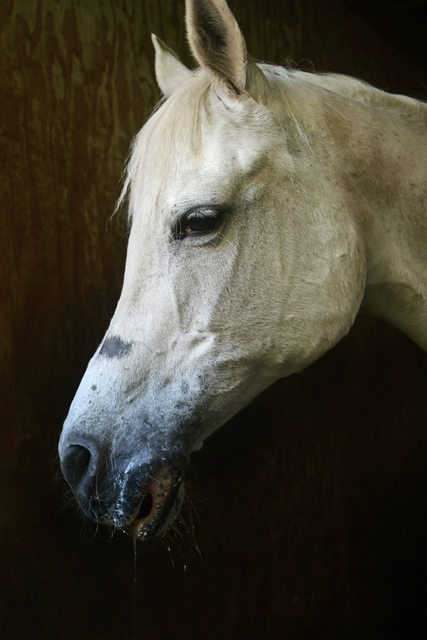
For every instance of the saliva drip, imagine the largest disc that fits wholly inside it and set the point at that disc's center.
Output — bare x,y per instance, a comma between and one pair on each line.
134,588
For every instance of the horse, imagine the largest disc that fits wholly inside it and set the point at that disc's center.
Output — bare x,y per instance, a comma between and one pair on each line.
267,208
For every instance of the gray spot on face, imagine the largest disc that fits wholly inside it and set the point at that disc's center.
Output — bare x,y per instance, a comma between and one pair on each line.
114,347
94,387
185,387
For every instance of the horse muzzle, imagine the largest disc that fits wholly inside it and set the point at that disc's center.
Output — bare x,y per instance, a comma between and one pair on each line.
141,498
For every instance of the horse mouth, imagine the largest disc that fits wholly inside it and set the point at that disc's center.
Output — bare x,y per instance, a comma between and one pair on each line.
159,506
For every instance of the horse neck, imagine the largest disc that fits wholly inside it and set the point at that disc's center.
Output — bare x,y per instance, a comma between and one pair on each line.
395,222
382,164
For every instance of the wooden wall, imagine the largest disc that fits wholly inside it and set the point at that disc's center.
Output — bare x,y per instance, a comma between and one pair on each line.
310,507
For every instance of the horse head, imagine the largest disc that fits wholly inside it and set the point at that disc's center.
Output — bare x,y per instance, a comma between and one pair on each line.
244,265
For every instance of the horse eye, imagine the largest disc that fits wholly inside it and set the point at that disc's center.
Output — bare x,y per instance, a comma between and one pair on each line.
199,222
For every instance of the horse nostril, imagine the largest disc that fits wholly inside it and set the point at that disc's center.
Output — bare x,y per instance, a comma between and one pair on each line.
146,507
75,463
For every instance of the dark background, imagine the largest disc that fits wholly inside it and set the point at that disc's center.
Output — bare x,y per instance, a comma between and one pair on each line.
309,508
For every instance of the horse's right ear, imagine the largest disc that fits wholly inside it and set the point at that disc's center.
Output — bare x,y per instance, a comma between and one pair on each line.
219,47
170,71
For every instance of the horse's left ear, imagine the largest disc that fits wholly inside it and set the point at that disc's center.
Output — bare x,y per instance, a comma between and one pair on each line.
219,46
170,71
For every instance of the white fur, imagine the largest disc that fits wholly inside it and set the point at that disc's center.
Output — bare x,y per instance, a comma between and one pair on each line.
324,183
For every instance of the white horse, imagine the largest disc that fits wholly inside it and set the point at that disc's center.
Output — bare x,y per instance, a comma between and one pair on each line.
267,208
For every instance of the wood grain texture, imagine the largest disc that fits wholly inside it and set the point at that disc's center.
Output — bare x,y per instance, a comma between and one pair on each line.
315,530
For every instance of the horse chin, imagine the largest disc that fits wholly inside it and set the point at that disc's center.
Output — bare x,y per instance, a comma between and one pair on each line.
160,505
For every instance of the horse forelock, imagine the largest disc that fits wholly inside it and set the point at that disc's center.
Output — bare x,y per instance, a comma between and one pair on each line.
176,123
175,129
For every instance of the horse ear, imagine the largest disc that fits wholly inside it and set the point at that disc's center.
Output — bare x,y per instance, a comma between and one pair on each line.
218,44
170,72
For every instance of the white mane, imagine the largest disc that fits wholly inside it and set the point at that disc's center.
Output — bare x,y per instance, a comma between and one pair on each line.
355,89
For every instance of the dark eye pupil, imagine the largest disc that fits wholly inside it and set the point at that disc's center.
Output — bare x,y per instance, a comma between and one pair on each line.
199,224
198,221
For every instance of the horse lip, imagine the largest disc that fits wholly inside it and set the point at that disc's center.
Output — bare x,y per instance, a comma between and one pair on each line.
162,490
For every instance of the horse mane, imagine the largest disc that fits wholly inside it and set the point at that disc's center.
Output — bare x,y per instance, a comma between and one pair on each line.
354,89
